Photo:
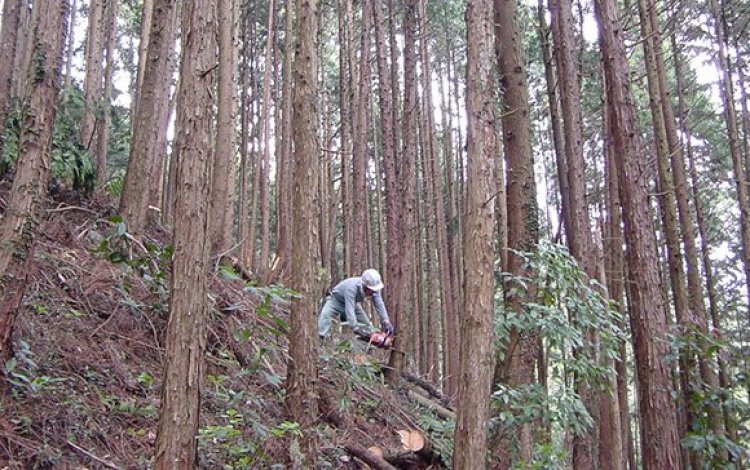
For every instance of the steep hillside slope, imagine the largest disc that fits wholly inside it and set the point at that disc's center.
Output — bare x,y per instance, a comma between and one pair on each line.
82,390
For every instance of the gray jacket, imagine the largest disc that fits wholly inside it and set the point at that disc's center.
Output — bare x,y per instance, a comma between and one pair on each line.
349,292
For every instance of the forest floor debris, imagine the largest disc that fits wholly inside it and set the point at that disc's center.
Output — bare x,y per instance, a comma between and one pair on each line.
82,389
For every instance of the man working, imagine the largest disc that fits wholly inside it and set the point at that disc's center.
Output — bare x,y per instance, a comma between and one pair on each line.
345,301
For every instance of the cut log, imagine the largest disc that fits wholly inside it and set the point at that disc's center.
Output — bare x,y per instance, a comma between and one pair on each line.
369,457
414,444
440,410
412,440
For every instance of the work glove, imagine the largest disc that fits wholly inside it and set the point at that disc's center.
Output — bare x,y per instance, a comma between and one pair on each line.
388,328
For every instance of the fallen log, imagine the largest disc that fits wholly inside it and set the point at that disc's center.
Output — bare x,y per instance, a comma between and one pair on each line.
370,458
429,388
440,410
415,443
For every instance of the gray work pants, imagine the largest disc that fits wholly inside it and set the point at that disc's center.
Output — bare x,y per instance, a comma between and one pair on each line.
333,308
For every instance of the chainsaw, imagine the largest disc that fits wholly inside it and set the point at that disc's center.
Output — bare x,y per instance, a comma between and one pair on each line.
378,338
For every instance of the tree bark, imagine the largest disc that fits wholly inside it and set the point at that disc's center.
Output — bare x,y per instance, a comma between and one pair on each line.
92,83
185,336
476,358
246,87
518,368
302,392
435,194
730,117
403,296
224,172
284,191
8,39
558,136
671,231
392,199
265,164
615,453
147,16
359,157
70,47
161,164
659,438
578,230
24,47
109,32
23,213
135,192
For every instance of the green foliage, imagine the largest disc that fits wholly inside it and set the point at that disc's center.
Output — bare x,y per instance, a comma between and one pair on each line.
236,440
560,305
152,264
547,456
279,326
72,164
706,399
440,433
11,142
115,184
21,372
127,406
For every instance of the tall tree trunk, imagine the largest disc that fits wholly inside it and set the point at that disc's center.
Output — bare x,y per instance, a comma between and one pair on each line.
518,368
659,438
404,296
284,190
135,192
435,190
23,214
615,452
109,32
246,87
723,377
265,166
224,164
695,319
147,16
170,178
186,330
345,114
379,251
578,232
24,47
427,269
669,221
247,249
350,195
452,215
730,117
160,165
744,111
303,375
392,199
359,157
92,83
461,189
70,47
8,38
558,137
476,359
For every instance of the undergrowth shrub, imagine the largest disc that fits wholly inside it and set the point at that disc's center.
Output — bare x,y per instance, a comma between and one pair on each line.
560,304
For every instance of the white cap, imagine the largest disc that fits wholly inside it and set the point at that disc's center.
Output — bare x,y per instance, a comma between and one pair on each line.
371,280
